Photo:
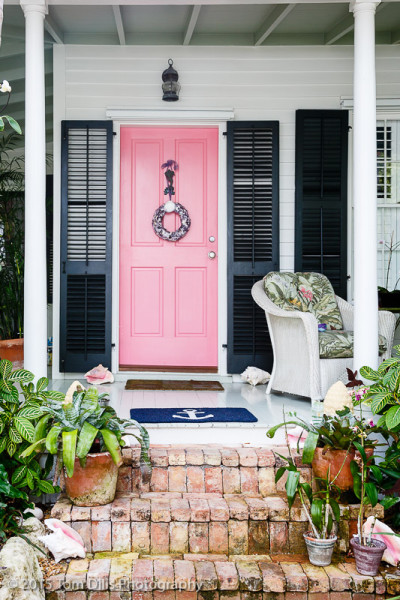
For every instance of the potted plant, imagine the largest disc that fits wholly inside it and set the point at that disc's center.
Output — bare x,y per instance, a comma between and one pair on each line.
389,298
332,443
320,508
12,239
87,439
368,551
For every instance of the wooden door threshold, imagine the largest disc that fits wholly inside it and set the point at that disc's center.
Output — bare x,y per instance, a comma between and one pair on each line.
165,369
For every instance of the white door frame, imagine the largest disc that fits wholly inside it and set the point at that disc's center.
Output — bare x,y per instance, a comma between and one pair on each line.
184,118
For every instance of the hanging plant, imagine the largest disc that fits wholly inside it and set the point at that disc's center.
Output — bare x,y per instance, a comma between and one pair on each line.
169,207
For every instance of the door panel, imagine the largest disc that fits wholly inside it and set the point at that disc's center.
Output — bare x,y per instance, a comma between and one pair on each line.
168,290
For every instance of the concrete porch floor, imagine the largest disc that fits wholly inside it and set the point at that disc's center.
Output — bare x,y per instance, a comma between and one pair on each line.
268,409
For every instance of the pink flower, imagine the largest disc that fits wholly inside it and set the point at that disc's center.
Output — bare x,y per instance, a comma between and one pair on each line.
371,423
306,293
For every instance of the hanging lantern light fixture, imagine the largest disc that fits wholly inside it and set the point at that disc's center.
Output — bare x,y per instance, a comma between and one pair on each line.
170,86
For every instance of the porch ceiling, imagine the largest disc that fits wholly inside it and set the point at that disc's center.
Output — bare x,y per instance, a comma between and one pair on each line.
181,22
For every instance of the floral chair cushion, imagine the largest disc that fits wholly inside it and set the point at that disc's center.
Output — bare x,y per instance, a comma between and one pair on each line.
339,344
307,292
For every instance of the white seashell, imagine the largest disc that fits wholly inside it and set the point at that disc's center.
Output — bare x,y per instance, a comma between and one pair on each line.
337,398
169,206
62,546
255,376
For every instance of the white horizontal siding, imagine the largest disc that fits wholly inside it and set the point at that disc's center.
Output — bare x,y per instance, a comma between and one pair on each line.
268,83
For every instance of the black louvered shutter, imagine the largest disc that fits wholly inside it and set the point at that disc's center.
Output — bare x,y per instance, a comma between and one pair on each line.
86,229
321,194
253,236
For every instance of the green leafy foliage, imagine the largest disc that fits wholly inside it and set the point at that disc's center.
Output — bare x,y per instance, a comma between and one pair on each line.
320,504
12,239
20,413
339,432
384,393
13,503
72,426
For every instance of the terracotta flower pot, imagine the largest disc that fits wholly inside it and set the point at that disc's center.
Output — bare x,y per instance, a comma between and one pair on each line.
334,459
96,483
368,558
13,350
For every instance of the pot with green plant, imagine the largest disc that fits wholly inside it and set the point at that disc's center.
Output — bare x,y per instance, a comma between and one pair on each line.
87,439
389,298
332,442
319,505
367,551
12,240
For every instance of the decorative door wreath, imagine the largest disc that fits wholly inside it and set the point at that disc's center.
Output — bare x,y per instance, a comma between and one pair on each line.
169,207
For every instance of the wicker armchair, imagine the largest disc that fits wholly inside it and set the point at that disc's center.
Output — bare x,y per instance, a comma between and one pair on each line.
298,368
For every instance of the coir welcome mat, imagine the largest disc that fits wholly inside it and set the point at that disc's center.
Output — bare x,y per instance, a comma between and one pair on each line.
192,415
165,385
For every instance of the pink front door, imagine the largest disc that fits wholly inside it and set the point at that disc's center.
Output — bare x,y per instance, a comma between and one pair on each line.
168,290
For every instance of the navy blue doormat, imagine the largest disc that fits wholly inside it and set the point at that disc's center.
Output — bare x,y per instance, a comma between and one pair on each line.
192,415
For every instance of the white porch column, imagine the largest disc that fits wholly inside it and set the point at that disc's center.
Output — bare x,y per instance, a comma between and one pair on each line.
35,293
364,186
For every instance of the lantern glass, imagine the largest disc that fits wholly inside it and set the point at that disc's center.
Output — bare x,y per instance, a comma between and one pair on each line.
171,91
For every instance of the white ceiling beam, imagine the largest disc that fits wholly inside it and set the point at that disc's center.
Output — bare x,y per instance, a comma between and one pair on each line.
194,15
339,30
53,29
344,26
271,22
119,24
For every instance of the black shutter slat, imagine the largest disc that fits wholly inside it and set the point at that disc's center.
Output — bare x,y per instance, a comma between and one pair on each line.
86,229
321,194
253,237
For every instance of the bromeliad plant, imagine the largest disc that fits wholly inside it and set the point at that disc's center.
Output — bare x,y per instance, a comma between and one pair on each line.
74,427
21,411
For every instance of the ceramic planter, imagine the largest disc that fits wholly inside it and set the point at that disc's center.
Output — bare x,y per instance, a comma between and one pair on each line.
319,551
13,350
389,299
333,460
368,558
96,483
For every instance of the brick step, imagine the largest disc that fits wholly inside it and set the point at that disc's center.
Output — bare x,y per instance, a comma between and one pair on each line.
172,522
125,576
207,469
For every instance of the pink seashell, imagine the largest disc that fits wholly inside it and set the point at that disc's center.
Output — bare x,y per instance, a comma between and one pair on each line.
392,552
55,524
294,435
99,375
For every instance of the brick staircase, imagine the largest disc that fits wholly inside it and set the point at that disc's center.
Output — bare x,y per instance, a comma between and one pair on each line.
210,521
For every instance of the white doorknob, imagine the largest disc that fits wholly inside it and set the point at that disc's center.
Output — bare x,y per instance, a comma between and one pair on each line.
211,254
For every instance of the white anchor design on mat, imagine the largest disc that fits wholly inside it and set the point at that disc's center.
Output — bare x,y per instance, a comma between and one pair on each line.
191,414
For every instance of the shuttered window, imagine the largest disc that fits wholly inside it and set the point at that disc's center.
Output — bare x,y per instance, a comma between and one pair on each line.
86,245
253,237
321,194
